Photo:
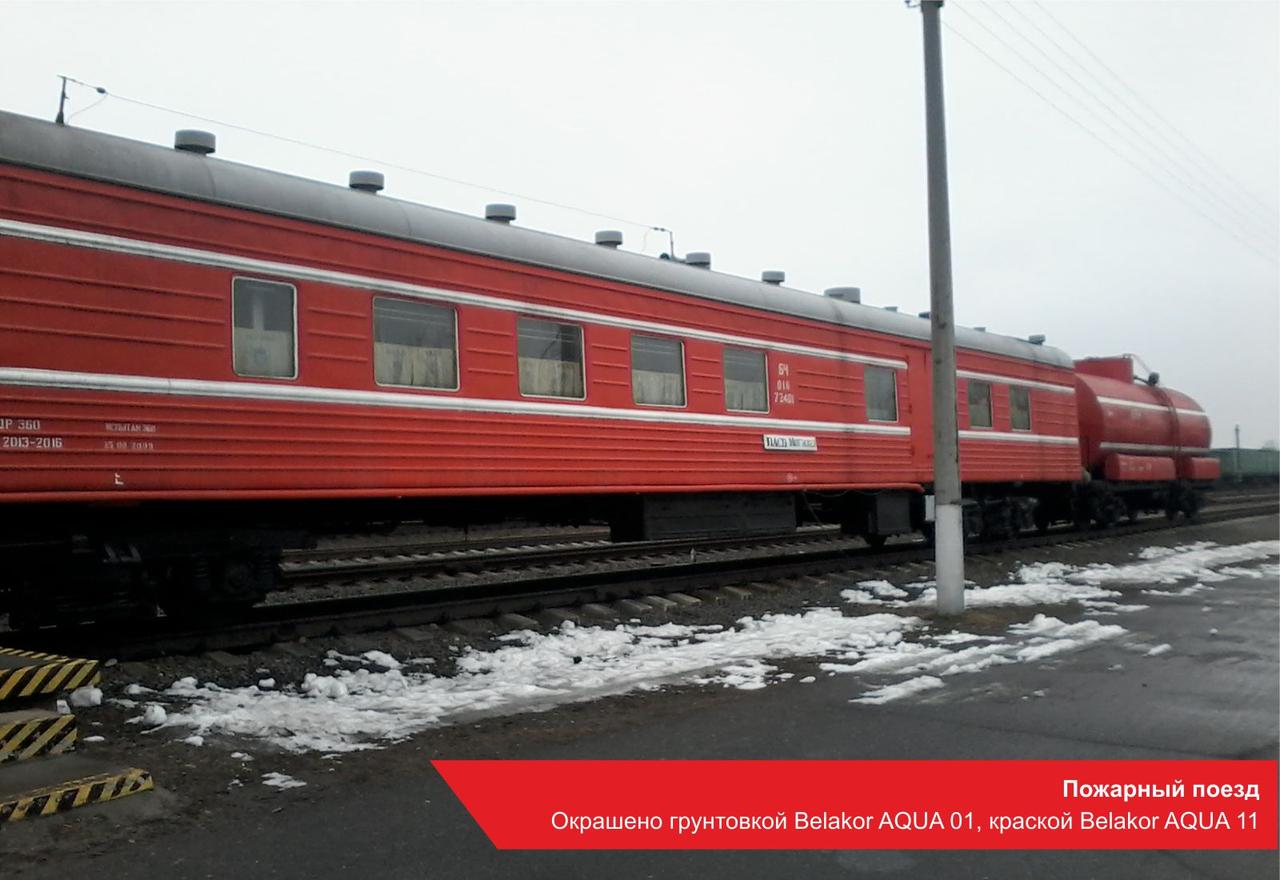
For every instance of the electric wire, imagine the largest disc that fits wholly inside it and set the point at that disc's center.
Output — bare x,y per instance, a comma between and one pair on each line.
1253,234
1101,140
1189,175
1204,159
362,158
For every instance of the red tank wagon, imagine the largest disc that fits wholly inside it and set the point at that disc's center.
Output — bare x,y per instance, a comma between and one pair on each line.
204,362
1143,443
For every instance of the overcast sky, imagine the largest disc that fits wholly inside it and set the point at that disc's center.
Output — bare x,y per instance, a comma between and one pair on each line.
785,135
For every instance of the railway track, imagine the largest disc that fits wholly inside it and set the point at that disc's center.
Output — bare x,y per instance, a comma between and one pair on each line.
436,558
342,551
433,561
646,570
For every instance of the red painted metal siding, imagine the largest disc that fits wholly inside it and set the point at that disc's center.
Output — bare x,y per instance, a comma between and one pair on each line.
1003,454
83,311
1199,468
1137,419
1141,468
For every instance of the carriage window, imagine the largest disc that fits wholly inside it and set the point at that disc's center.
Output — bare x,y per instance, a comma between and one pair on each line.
882,394
657,371
264,337
550,358
979,404
1020,408
414,344
746,388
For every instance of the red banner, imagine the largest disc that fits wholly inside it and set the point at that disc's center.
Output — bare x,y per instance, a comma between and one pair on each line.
870,804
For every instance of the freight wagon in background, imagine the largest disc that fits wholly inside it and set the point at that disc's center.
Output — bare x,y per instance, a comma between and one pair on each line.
1257,467
203,363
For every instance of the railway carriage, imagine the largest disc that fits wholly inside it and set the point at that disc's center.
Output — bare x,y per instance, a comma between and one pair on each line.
1143,446
203,362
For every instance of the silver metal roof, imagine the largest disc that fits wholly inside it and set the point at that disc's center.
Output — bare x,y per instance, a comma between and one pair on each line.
45,145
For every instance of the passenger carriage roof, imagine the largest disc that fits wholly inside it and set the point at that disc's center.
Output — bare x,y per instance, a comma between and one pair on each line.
47,146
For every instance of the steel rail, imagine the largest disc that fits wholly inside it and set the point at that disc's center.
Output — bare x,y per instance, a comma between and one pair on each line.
441,603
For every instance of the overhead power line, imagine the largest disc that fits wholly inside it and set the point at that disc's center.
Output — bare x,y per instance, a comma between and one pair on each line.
1107,145
1199,155
1201,202
1186,172
373,160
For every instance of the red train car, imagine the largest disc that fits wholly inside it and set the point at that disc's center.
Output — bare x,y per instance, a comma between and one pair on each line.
1144,446
203,362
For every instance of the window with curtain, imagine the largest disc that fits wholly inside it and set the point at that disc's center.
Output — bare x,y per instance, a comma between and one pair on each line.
264,334
746,386
1020,408
881,388
657,371
550,358
414,344
979,404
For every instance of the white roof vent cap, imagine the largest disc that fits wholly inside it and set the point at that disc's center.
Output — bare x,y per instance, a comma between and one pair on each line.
367,181
773,276
847,294
192,140
611,238
499,212
701,259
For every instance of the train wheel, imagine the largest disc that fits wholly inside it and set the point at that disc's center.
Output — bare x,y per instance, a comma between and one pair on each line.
215,587
1191,503
1130,511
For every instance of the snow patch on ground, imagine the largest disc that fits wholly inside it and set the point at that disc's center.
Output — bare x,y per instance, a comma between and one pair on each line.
356,709
83,698
364,701
897,691
1169,565
152,716
1060,583
381,658
281,780
1025,595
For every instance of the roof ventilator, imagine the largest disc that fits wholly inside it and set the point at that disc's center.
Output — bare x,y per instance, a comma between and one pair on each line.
845,294
773,276
499,212
367,181
191,140
890,308
701,259
1036,339
610,238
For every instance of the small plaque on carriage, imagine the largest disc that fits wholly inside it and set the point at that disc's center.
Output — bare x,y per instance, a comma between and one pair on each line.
790,443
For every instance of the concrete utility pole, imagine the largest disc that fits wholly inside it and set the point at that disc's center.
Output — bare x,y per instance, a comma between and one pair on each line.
948,517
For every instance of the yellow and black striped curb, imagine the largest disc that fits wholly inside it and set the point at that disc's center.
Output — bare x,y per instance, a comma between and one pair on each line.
44,674
76,793
36,734
30,655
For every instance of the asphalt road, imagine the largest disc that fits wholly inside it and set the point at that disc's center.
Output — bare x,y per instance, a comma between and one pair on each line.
1212,696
